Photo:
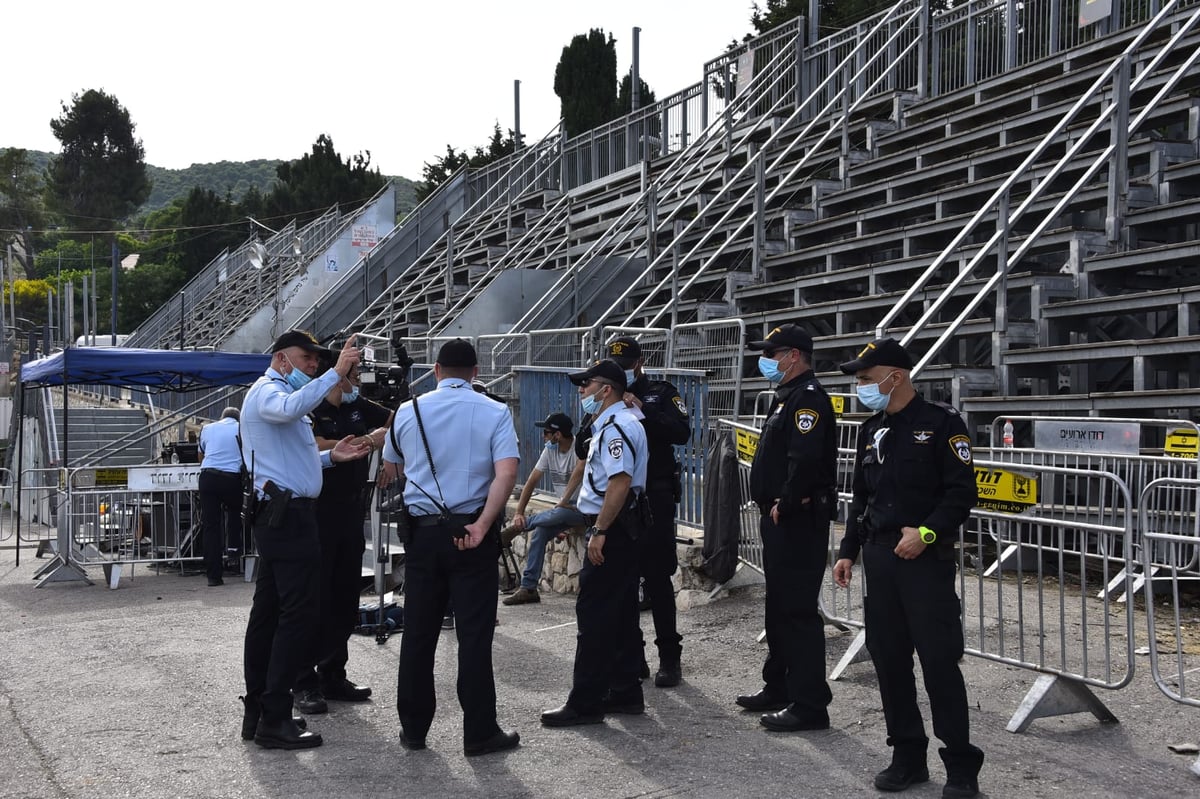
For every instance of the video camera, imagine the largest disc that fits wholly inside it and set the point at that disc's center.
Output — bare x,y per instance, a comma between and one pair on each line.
387,383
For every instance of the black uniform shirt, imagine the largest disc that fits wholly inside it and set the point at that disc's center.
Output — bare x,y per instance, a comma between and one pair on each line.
796,457
912,469
343,482
666,424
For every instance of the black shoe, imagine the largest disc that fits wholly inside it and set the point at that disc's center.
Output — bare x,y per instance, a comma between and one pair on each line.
567,716
630,705
285,735
310,702
497,743
345,691
251,714
213,582
763,700
960,788
899,776
669,674
787,721
413,744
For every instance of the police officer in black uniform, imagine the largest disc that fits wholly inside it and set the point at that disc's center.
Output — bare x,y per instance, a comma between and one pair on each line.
340,511
914,486
665,420
793,481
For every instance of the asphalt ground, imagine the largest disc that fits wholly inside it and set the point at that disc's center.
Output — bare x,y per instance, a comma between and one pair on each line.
133,693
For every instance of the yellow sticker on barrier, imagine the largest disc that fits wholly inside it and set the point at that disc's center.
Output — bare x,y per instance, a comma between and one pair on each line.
1004,491
746,442
1182,443
839,405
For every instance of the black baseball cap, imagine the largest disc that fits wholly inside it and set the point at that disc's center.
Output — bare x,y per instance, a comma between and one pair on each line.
298,338
605,370
789,335
880,352
559,422
625,351
457,354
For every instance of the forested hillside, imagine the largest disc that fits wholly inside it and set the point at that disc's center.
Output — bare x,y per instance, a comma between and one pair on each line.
225,177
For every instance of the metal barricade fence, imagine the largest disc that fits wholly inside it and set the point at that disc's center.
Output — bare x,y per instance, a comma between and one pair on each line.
1170,522
8,525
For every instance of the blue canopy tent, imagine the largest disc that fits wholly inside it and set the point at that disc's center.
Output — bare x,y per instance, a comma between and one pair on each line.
153,371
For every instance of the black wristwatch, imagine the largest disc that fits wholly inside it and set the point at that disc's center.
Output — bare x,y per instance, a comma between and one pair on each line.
594,530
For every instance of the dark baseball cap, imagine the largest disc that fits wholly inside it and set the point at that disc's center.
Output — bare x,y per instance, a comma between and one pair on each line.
880,352
298,338
789,335
457,354
557,421
605,370
625,351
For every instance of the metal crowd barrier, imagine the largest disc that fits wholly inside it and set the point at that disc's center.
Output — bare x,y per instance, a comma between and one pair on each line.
118,517
1170,518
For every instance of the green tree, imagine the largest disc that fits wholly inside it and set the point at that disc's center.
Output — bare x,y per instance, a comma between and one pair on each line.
585,81
144,289
440,170
208,224
21,211
625,94
100,176
310,185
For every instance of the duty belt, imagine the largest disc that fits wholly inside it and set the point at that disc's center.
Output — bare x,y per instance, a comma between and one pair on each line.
453,520
302,503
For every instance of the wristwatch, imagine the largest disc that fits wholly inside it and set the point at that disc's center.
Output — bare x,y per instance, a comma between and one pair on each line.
927,536
594,530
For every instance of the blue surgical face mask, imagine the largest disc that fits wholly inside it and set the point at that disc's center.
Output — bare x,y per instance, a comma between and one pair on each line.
295,378
591,404
872,397
769,368
352,396
551,445
629,377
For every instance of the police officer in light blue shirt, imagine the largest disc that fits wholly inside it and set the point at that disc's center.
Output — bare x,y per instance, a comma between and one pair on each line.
281,451
457,450
220,490
608,648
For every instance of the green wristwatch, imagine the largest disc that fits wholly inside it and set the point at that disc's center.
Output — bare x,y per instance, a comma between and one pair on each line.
927,536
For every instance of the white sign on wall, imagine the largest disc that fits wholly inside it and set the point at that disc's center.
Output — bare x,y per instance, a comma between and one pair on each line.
1112,437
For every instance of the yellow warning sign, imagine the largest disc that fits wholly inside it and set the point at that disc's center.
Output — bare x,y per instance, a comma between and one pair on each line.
1182,443
746,442
839,404
1005,491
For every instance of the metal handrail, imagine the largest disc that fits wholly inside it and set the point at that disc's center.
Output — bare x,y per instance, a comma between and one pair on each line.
673,177
835,124
1003,190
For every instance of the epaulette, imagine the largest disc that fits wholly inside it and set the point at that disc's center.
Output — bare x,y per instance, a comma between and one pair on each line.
945,406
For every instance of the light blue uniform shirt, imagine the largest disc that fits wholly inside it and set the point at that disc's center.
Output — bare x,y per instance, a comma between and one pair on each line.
612,453
278,436
218,444
467,434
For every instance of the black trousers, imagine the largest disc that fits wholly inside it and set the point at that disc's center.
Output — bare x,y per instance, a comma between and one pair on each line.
285,611
435,573
911,605
221,516
340,529
607,646
794,559
657,561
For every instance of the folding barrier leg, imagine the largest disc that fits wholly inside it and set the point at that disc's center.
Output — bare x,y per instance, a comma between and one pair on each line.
1196,767
1053,695
855,653
112,575
61,570
1013,555
250,568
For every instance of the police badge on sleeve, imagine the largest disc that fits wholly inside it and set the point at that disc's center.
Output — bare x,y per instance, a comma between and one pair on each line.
806,419
962,448
616,448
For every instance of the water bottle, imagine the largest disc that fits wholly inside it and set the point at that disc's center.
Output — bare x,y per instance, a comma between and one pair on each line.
1007,440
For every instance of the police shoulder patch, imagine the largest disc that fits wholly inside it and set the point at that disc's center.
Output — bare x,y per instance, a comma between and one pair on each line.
806,419
616,448
679,404
962,448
